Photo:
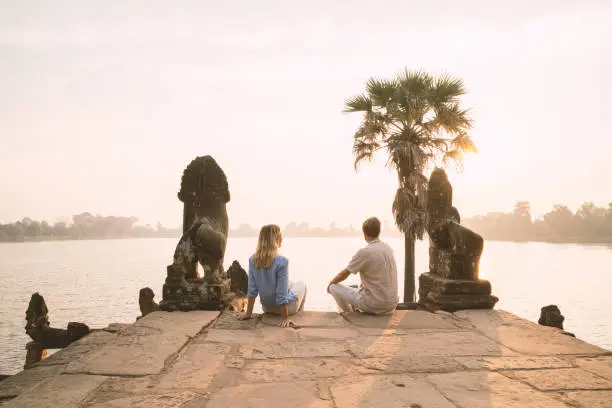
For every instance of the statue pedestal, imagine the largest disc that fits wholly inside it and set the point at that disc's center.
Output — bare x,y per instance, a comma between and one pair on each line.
194,295
436,292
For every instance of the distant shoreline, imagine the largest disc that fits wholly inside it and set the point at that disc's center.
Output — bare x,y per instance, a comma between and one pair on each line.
577,241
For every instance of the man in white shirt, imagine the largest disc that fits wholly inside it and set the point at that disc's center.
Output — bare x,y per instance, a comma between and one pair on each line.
377,269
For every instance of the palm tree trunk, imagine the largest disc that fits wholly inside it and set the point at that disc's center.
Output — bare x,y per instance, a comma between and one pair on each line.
409,276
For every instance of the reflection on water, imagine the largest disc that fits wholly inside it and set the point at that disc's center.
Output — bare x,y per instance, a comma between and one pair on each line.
97,282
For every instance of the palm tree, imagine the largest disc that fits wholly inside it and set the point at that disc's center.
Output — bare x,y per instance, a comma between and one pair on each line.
417,118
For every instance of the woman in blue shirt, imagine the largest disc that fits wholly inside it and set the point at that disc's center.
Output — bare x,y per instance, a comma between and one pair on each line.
269,278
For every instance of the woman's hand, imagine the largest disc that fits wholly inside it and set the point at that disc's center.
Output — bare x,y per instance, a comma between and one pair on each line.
244,316
285,322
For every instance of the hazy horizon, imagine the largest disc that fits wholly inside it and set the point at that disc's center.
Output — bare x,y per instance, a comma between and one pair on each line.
102,105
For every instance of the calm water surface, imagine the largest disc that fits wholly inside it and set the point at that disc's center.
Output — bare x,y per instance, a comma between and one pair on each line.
97,282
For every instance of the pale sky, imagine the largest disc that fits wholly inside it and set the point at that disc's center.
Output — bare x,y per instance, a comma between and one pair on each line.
103,103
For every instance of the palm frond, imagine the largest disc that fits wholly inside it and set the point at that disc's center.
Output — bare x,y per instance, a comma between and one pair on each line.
450,118
409,216
358,103
364,150
453,158
416,83
381,91
447,89
464,143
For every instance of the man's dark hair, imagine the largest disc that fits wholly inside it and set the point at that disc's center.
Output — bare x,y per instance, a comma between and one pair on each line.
371,227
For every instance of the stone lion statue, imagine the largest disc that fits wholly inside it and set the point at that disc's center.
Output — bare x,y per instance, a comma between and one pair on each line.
204,193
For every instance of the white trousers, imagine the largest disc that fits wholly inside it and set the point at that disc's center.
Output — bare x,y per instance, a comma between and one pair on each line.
347,298
299,288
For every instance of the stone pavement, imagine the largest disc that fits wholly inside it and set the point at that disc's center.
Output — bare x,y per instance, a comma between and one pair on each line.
469,359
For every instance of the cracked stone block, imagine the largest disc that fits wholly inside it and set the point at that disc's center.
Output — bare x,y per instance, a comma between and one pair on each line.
299,394
524,336
116,388
490,390
327,333
78,349
512,363
170,399
59,391
602,366
386,391
195,367
178,323
229,321
591,399
561,379
24,380
294,370
129,356
427,343
406,364
402,319
294,350
229,336
309,319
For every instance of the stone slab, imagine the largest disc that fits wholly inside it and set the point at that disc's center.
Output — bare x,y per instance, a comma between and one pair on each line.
24,380
178,323
195,367
271,334
309,319
386,391
129,356
524,336
228,336
602,366
561,379
60,391
512,363
287,371
294,350
430,282
452,303
327,333
591,399
428,343
490,390
117,388
299,394
229,321
406,364
402,319
78,349
171,399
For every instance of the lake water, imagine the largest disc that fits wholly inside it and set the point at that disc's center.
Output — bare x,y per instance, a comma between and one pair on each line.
97,282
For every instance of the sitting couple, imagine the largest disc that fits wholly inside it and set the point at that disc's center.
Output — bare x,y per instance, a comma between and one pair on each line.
269,278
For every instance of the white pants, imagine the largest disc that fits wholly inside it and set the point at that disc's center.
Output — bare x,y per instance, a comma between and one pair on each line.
348,299
299,288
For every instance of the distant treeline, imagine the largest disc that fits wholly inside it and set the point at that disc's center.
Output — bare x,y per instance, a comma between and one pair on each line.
304,230
590,224
88,226
83,226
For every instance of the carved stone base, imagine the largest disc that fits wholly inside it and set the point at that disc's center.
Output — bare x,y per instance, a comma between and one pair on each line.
195,295
450,265
35,353
451,295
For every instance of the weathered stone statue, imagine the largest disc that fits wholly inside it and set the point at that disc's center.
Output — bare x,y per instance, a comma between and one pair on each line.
239,285
551,316
45,337
452,282
146,302
204,193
